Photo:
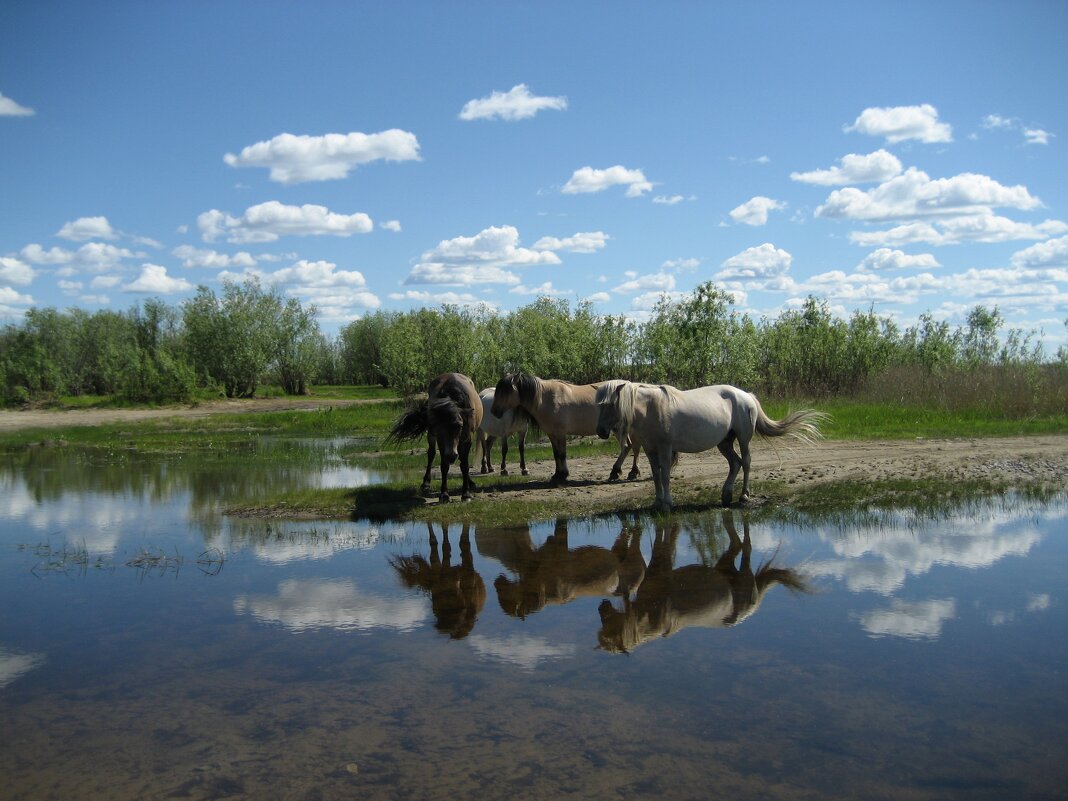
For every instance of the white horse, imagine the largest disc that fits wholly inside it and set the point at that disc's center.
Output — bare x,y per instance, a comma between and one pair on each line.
666,421
513,421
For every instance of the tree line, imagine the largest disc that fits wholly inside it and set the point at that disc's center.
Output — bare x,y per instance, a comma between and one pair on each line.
235,342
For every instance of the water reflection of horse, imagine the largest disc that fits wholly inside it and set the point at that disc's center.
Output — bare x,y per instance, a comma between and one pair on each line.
457,592
449,417
671,599
560,409
514,421
667,421
555,573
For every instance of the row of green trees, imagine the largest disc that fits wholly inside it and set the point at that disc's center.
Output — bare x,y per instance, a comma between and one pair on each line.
248,335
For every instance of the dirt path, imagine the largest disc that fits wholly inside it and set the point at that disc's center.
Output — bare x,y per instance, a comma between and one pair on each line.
1028,460
44,418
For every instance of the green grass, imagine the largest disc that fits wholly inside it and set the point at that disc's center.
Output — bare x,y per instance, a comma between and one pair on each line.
865,420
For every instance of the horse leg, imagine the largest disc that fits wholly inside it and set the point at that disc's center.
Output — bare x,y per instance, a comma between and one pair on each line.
484,445
443,496
465,470
666,463
654,469
504,455
559,444
523,453
743,446
617,468
727,449
425,488
634,471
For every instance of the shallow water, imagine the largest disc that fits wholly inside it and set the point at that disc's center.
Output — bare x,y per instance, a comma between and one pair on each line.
150,647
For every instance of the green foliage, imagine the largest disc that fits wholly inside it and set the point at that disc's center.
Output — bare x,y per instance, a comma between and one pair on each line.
250,335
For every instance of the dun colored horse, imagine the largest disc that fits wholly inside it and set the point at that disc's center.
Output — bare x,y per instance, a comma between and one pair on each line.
667,421
449,417
555,573
560,409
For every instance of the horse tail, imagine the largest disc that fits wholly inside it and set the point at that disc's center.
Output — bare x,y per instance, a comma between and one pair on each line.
803,425
411,424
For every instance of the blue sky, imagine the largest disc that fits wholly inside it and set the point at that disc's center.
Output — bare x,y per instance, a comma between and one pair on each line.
365,156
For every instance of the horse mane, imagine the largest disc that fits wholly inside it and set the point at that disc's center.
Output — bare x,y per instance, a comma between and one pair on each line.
526,386
624,403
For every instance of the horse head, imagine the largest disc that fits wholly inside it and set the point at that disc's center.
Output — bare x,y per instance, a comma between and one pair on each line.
505,395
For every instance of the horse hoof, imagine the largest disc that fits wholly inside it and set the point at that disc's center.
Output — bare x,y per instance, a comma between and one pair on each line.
425,489
443,498
633,474
613,477
484,470
466,497
504,472
525,472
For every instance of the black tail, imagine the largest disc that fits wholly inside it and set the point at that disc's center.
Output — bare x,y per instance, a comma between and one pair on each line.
411,424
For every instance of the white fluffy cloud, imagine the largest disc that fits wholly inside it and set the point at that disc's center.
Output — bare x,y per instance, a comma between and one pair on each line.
854,169
9,108
515,104
984,227
9,297
338,294
495,245
1053,253
195,257
588,242
901,123
914,195
587,179
450,298
268,221
887,259
14,271
295,159
653,282
483,259
93,256
85,228
545,290
154,280
763,261
755,210
1036,136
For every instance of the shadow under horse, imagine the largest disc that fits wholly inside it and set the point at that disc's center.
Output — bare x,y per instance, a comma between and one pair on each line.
671,599
457,592
555,573
449,416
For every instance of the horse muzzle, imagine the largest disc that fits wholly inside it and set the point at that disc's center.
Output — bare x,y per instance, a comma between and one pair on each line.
603,433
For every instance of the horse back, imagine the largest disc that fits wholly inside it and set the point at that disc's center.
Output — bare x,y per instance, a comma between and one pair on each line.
568,408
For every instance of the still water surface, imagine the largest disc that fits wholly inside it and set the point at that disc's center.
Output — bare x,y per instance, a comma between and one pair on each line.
151,647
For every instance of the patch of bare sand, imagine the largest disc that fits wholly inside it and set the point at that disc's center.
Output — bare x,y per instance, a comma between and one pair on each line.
1040,459
49,418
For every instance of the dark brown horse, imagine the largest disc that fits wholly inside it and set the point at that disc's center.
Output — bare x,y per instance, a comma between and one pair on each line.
449,417
457,592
